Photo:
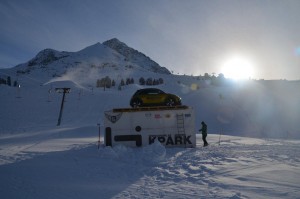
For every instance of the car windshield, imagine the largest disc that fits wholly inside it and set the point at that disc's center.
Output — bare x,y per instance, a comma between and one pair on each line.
153,91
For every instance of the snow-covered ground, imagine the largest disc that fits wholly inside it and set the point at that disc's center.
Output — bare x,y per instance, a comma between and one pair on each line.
66,163
41,160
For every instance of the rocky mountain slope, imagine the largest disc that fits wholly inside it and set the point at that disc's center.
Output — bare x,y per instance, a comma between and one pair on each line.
95,59
135,56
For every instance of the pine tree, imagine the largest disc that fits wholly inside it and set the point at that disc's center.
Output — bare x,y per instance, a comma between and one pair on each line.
149,81
107,82
142,81
122,82
2,81
127,81
98,84
8,81
161,81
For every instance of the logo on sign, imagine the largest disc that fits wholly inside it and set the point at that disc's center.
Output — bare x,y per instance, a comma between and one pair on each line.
148,115
168,115
177,139
113,118
157,116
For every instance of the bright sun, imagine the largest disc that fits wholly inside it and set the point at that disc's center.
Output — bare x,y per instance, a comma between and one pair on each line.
237,67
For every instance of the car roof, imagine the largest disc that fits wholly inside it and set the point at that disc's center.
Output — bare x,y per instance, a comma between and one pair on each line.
145,90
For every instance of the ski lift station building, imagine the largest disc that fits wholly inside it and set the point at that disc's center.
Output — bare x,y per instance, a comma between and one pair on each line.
171,126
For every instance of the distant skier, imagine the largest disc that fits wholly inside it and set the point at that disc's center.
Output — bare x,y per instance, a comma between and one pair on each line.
204,133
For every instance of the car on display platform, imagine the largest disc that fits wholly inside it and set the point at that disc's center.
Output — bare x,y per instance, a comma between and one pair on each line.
153,97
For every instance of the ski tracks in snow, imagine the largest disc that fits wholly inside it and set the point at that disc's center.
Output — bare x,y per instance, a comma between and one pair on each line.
227,171
238,168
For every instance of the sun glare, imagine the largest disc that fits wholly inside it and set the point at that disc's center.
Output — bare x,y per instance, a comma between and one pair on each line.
237,68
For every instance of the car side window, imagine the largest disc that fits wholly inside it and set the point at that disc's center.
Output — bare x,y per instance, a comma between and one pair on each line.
151,92
160,92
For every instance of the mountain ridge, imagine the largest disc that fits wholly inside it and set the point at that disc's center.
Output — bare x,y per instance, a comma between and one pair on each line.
135,56
112,53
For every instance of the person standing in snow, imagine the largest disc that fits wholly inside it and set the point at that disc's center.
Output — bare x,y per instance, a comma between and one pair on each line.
204,133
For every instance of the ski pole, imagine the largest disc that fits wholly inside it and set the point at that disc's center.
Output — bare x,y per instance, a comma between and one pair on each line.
99,136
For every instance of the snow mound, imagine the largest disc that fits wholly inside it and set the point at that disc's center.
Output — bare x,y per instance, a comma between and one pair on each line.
154,153
151,154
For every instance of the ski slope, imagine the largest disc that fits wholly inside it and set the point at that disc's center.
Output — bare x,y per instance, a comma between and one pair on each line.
253,131
41,160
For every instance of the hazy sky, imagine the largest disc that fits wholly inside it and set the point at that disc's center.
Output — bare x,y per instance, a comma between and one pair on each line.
186,36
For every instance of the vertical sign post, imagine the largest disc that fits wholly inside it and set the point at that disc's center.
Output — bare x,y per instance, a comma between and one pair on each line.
64,91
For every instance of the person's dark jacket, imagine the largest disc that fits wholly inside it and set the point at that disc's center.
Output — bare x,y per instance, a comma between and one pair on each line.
204,129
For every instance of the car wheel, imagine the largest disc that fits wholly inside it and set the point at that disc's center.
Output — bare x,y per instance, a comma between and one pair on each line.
137,103
170,102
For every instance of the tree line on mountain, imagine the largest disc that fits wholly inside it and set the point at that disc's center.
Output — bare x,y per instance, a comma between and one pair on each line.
107,82
214,80
7,81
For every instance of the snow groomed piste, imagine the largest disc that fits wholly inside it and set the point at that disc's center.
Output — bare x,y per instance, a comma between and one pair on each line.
171,126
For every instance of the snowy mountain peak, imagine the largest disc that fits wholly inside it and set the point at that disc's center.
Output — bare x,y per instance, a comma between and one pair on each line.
135,56
115,44
112,55
98,50
47,56
94,47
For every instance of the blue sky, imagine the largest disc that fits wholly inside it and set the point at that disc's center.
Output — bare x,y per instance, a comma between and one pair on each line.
187,37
